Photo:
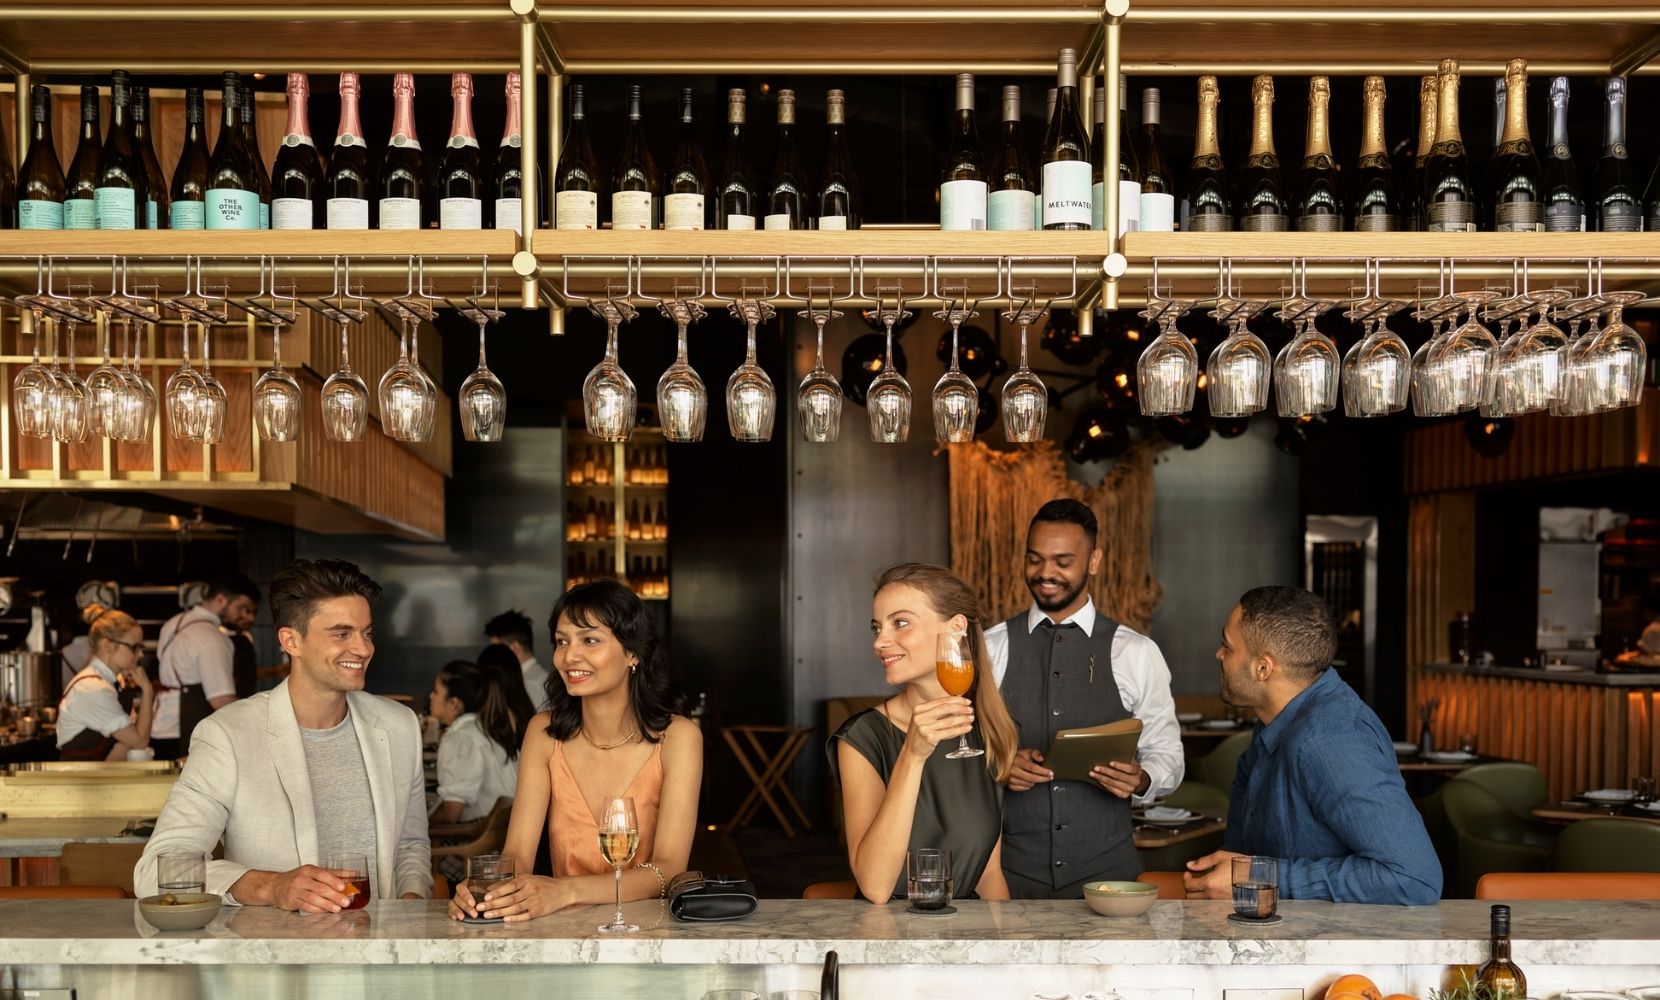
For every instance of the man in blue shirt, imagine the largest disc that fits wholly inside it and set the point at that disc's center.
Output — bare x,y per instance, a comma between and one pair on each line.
1319,789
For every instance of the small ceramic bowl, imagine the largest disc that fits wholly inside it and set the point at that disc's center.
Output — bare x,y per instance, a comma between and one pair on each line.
1120,899
191,912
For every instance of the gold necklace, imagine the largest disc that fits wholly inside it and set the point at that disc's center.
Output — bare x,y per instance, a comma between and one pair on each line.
609,746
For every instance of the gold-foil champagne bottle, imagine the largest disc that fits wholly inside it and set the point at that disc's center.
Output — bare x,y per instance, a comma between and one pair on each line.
1449,194
1517,180
1206,207
1262,204
1375,207
1319,198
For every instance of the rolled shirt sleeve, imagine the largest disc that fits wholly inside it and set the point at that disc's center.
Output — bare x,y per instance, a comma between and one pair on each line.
215,664
1143,680
460,769
98,709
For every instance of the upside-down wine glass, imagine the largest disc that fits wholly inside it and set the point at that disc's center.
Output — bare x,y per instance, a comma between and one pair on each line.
71,404
277,397
1430,394
345,398
1498,383
1377,373
889,395
182,392
1614,360
1571,401
608,396
141,403
751,400
212,403
956,397
682,398
32,390
1238,372
1461,357
1167,373
1025,397
1306,373
819,396
426,413
483,400
105,387
400,393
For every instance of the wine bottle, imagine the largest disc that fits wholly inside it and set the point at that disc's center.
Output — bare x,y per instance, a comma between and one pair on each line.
188,195
1418,209
1129,166
1564,200
1374,189
1158,184
1517,184
8,184
1617,208
1319,202
82,182
460,176
576,181
1484,194
155,182
1449,196
40,177
1262,204
686,187
1206,207
634,181
736,197
298,178
232,194
963,191
838,193
1037,195
250,142
348,182
787,194
122,188
1066,170
1499,975
402,187
1011,200
509,210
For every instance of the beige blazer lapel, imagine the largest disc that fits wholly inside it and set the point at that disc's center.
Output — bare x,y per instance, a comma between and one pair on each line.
282,735
377,760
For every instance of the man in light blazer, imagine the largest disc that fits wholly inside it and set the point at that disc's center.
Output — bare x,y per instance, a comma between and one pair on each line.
314,767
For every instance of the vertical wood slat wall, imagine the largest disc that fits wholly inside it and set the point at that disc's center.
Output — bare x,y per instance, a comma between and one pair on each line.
1439,457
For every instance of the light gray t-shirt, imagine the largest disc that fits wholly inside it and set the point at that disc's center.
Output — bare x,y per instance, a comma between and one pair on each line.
340,793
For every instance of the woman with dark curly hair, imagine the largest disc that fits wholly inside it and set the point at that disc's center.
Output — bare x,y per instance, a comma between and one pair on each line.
614,728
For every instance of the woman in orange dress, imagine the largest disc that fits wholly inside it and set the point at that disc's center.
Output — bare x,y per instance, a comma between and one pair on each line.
613,729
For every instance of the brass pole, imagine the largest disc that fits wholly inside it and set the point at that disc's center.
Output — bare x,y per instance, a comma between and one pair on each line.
279,64
556,142
1112,14
807,67
1635,56
112,13
25,127
552,60
525,10
832,15
11,62
1244,14
1185,67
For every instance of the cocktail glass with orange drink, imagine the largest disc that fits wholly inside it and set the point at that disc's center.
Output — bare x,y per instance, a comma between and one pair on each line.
954,666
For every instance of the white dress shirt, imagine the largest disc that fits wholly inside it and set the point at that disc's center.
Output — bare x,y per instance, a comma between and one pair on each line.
473,769
536,679
1143,680
191,655
93,704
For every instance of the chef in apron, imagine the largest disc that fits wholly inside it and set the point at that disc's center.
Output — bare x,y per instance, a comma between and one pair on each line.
108,705
197,661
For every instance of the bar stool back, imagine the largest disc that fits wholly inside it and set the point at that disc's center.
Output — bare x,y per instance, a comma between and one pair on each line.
1568,885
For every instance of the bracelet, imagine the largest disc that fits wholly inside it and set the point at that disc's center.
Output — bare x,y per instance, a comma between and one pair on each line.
662,883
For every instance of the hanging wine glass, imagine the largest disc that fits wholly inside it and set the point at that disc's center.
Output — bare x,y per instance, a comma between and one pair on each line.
956,397
682,398
483,400
277,397
106,388
211,403
1238,372
1614,359
71,403
1306,372
1025,397
608,396
1571,401
141,397
1460,359
819,396
32,391
183,391
426,412
1377,373
1499,381
1432,394
1167,373
345,399
401,391
889,396
751,400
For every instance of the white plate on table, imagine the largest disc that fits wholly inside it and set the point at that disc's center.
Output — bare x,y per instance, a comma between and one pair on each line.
1609,796
1188,717
1219,724
1166,816
1449,757
1654,809
1403,748
1644,993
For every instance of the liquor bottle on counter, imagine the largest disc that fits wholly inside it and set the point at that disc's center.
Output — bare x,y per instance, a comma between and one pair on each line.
1449,196
460,176
1412,201
297,178
836,206
1129,167
963,186
1564,200
1158,184
1502,979
250,142
787,194
1206,207
736,196
686,188
634,180
188,195
1262,204
122,188
576,179
1319,198
1517,184
232,192
40,176
82,182
348,182
1617,207
509,208
1375,209
155,182
1012,198
402,187
1066,170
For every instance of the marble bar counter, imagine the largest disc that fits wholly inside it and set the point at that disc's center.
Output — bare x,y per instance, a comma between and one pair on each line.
1179,951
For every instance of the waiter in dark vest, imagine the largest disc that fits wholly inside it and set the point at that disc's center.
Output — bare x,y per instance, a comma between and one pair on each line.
1062,664
197,662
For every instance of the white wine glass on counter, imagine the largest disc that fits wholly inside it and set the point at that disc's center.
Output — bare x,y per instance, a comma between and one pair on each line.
345,398
32,391
608,395
1025,397
819,396
751,400
682,398
956,397
889,395
483,401
619,838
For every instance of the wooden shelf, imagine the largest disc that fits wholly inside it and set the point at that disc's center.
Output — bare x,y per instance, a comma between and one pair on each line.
1416,246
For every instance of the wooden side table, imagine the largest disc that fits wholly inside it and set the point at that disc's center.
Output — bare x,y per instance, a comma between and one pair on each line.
767,771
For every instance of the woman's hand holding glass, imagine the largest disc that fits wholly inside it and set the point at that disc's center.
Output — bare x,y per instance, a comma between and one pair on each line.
934,722
522,898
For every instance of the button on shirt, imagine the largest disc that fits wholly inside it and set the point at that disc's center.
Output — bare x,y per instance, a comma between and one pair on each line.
536,679
92,703
473,769
1143,680
1320,789
191,654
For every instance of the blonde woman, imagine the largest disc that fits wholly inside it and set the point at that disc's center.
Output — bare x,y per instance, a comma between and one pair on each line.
108,707
899,790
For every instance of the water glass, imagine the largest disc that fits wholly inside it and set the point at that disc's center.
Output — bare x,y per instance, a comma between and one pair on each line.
1256,887
1645,788
928,878
1467,743
486,872
182,871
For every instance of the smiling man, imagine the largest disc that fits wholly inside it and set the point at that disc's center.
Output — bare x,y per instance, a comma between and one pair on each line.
312,768
1063,665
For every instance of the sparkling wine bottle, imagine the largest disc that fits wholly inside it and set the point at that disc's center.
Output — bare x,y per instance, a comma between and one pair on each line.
40,176
1375,208
686,188
155,205
1517,182
1319,202
250,142
837,203
1564,199
1413,199
298,178
576,180
737,197
188,195
1158,184
963,185
1012,199
232,191
634,180
402,186
82,182
509,208
1067,176
122,187
348,181
1262,204
1617,207
1206,207
1449,195
460,175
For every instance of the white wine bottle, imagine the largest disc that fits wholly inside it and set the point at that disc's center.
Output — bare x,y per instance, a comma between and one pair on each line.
1066,170
1012,203
963,186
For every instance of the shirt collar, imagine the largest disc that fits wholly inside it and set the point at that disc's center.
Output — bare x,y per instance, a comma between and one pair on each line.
1275,731
103,669
529,663
1084,617
464,719
203,613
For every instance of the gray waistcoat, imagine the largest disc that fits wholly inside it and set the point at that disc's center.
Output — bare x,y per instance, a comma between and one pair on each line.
1064,831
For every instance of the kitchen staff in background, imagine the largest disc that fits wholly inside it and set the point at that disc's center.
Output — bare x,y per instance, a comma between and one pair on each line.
198,662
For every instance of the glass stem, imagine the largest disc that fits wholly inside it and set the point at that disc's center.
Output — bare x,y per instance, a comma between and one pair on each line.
611,324
889,323
481,362
71,355
680,356
819,321
749,354
1024,328
616,918
345,362
106,339
184,347
276,347
956,324
207,362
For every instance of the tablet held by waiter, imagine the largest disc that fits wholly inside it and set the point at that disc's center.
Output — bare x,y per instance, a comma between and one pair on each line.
197,662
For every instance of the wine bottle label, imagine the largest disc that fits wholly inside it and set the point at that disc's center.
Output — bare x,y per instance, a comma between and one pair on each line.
114,208
735,221
460,213
1621,218
400,213
1129,207
1264,222
299,139
1517,217
683,211
348,213
1565,217
229,208
149,213
832,222
779,221
509,212
1066,194
265,215
78,213
33,214
291,213
1375,222
512,141
1011,211
631,210
1208,222
401,141
462,142
1037,209
576,210
1451,217
348,139
1098,205
1321,222
963,205
187,215
1158,213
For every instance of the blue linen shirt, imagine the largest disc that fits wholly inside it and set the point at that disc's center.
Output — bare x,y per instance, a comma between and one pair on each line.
1320,789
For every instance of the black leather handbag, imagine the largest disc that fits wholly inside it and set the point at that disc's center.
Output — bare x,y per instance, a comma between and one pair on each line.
694,896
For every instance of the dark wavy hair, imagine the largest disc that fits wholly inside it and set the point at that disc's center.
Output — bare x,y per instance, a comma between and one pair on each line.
504,664
651,688
301,585
480,692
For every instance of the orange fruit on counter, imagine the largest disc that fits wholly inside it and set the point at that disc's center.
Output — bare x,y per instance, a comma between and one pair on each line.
1354,984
